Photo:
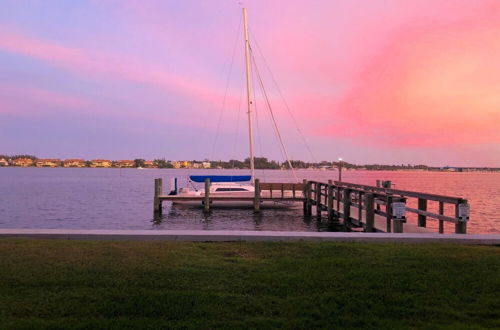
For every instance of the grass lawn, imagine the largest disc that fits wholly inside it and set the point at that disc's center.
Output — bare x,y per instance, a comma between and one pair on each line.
77,284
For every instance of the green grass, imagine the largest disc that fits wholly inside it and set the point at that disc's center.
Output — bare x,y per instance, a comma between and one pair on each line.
75,284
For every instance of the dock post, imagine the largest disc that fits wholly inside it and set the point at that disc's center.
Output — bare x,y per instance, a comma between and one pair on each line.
347,205
157,204
398,214
441,222
422,206
461,224
206,200
304,194
369,213
308,199
330,200
256,200
388,212
360,210
317,191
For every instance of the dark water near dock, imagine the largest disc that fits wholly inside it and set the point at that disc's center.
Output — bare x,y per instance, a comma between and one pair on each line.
89,198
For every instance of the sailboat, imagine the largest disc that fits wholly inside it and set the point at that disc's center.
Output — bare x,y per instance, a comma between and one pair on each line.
233,185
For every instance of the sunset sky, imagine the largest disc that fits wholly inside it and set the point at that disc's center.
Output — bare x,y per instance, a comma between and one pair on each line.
370,81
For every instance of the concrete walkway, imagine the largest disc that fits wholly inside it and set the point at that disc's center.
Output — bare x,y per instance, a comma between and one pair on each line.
250,236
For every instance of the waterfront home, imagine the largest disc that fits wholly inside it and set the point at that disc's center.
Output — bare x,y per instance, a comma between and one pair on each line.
74,163
206,164
48,162
100,163
182,164
125,163
4,162
23,162
149,164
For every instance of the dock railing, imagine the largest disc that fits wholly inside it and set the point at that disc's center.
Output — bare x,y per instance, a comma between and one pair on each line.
370,199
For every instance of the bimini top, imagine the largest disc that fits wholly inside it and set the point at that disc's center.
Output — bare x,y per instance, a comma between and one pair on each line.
220,178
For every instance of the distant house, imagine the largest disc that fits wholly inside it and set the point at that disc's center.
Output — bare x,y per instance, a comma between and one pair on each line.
100,163
48,162
196,165
206,164
4,162
74,163
149,164
125,163
23,162
176,164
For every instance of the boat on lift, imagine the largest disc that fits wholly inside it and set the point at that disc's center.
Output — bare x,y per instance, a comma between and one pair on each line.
233,185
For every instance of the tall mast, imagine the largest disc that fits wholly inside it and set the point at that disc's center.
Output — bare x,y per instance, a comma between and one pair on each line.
249,97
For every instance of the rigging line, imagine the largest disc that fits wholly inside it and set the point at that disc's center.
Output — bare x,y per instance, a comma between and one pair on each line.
237,127
259,135
272,116
283,156
221,112
284,100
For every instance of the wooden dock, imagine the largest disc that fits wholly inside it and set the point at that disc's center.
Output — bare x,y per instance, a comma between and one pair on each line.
374,209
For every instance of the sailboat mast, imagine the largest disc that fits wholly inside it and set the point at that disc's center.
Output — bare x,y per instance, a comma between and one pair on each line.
249,95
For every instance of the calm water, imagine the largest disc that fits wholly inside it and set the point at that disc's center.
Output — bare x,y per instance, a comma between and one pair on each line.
122,199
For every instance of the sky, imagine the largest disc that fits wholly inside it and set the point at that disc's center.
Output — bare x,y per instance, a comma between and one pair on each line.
370,81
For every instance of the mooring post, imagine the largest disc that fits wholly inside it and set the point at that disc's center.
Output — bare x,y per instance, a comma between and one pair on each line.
422,206
388,211
369,213
330,200
206,200
462,216
347,205
317,191
308,198
441,222
157,207
398,212
304,194
360,209
256,200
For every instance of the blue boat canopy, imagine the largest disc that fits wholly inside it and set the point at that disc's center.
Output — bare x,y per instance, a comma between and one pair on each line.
220,178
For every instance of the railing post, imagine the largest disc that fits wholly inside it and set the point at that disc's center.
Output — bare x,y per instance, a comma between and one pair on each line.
308,205
462,216
360,203
157,204
206,200
398,212
441,222
304,194
422,206
256,200
346,201
388,211
317,192
369,213
330,200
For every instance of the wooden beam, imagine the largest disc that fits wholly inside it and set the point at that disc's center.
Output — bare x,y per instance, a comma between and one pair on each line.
206,200
422,206
369,213
256,202
441,222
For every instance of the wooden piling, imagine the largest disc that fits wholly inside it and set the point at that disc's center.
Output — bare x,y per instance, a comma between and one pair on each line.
360,209
369,213
347,205
206,200
157,203
441,222
422,206
388,211
256,201
308,204
461,224
317,192
330,200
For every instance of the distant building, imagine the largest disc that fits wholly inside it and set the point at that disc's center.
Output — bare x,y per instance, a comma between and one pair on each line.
181,164
100,163
48,162
149,164
125,163
4,162
23,162
74,163
197,165
206,164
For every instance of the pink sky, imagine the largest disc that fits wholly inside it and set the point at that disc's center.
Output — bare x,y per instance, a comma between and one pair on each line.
369,81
